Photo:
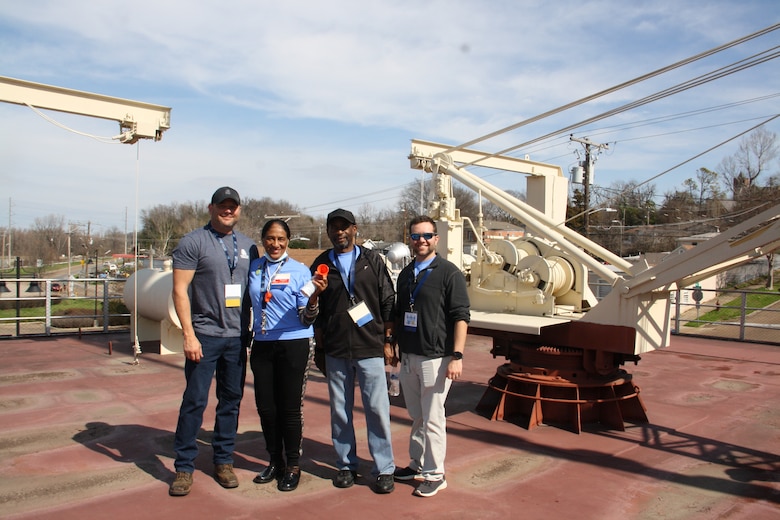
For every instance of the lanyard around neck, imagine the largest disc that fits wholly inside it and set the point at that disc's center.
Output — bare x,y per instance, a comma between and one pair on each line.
416,283
270,277
349,283
231,263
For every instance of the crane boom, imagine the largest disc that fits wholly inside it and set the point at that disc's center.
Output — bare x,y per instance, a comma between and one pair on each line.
137,120
540,282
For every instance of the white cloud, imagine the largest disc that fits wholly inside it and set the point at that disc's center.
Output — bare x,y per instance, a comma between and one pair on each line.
316,101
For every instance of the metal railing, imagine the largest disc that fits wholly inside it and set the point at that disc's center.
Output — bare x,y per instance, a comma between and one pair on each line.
34,307
720,313
46,307
741,315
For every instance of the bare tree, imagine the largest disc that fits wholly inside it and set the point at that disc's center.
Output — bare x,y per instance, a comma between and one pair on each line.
753,157
493,212
465,199
48,239
160,227
635,202
704,191
163,225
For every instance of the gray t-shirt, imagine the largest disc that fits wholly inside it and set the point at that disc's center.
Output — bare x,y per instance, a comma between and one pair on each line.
202,251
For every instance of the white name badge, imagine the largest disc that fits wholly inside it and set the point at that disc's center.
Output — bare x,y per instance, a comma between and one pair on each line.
360,314
282,279
233,295
410,321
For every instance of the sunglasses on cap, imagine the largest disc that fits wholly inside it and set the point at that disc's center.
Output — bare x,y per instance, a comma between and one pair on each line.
426,236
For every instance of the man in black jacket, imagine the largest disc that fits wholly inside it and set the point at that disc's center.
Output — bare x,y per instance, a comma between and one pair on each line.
432,316
354,328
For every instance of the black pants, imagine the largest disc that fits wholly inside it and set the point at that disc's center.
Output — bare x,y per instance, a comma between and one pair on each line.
280,369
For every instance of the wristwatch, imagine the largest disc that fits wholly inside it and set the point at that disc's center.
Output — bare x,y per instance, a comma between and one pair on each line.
457,355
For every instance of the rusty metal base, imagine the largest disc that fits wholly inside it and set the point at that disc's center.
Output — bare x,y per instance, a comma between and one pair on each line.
531,400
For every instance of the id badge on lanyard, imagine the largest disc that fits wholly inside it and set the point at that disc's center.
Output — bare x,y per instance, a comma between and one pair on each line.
410,321
410,316
232,290
359,311
360,314
233,295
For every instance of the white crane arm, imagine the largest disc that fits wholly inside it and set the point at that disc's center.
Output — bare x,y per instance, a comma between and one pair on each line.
137,120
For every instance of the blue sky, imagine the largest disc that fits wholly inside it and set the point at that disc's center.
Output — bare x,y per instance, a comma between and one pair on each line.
316,102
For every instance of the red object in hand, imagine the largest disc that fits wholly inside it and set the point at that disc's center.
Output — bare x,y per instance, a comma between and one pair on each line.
322,270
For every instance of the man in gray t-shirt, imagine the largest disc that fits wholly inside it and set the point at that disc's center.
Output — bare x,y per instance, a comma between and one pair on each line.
210,274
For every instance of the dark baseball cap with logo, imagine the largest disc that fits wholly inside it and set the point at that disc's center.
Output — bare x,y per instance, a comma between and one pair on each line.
341,213
225,193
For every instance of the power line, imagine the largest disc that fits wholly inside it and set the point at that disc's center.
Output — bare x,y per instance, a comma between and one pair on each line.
717,74
708,150
616,88
680,115
700,80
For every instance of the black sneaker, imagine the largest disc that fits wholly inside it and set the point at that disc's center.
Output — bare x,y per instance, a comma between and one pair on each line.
430,488
407,473
384,484
345,478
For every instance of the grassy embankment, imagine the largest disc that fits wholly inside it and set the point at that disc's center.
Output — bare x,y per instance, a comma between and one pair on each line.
758,298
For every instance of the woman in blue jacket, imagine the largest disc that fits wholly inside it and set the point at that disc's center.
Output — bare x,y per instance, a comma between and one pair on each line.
284,308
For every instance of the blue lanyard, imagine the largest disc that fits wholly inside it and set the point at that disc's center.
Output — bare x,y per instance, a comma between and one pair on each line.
349,283
416,284
231,263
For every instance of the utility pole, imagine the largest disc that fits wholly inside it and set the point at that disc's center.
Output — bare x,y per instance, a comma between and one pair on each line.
71,225
125,251
588,175
10,230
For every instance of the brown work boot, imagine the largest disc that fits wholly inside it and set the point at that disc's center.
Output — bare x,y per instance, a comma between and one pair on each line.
223,473
181,486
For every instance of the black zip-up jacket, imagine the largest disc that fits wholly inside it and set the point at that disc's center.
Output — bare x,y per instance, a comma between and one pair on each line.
340,336
441,301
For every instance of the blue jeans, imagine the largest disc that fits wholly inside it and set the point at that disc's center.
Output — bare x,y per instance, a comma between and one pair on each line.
227,358
376,403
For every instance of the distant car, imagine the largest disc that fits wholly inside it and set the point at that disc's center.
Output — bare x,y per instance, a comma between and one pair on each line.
56,287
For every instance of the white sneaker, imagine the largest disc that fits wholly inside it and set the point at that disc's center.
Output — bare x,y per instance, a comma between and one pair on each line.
430,488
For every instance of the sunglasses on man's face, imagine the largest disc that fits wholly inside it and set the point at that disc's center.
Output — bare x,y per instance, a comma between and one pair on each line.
426,236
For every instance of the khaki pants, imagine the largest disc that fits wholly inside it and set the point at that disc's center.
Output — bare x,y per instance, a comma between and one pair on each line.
425,387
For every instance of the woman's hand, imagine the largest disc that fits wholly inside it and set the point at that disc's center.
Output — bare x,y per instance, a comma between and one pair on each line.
320,284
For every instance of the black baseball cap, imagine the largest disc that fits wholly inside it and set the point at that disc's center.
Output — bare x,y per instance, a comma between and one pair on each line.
341,213
225,193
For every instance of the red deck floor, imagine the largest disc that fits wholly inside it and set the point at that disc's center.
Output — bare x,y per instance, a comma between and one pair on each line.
85,434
